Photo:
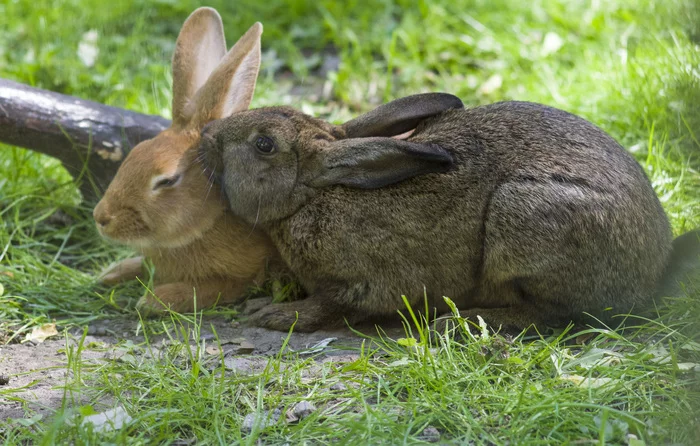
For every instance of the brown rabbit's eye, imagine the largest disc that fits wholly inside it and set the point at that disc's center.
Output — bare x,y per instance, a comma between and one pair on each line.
265,144
167,182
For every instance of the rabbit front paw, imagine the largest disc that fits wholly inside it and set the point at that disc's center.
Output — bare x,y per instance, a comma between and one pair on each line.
281,317
122,271
177,296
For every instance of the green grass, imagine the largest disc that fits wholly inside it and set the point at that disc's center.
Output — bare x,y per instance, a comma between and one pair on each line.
630,66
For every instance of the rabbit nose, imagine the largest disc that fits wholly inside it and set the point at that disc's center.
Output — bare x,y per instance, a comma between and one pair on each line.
103,220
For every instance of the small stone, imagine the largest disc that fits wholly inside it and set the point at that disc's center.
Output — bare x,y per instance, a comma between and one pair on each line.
339,387
245,347
430,435
246,365
303,409
238,365
97,330
262,420
4,380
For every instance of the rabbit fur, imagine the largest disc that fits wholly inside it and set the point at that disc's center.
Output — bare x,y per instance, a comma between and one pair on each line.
161,204
519,212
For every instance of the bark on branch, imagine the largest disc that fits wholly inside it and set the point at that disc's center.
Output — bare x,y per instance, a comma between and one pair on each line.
89,138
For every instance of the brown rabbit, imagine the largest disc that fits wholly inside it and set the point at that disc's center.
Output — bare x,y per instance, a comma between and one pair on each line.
161,204
520,213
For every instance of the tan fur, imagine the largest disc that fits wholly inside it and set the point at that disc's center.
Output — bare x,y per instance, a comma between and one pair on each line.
205,33
125,270
195,245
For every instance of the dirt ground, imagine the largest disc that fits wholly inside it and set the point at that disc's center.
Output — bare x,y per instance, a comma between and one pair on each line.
38,371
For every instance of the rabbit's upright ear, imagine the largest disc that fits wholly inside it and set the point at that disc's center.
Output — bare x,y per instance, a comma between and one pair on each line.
230,86
400,116
370,163
198,50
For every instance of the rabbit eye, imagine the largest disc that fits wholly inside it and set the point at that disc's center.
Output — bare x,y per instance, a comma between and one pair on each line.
167,182
265,144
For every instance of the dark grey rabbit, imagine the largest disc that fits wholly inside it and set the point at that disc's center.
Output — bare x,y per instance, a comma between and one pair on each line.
520,213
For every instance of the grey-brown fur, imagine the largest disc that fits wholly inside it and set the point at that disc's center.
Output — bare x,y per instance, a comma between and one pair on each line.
533,216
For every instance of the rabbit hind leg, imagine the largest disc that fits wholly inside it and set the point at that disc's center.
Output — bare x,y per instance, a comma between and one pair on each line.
567,250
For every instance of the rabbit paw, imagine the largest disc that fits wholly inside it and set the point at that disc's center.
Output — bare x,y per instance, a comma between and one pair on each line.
178,296
281,317
125,270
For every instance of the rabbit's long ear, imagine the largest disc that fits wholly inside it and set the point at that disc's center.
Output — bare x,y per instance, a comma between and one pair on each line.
400,116
198,50
230,87
370,163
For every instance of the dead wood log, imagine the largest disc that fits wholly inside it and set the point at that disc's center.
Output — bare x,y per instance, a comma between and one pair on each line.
89,138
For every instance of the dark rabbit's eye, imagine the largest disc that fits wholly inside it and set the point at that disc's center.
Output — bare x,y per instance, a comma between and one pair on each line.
167,182
265,144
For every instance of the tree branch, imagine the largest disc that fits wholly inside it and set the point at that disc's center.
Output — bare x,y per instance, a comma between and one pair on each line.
89,138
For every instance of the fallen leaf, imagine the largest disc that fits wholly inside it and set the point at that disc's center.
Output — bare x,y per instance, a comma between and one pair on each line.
113,419
41,333
213,350
659,353
595,357
399,362
318,347
582,381
26,422
692,346
688,366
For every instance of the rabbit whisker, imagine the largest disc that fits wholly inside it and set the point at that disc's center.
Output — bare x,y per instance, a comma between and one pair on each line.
257,216
211,185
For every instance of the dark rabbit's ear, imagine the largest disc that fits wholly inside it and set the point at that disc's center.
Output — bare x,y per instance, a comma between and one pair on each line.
370,163
401,115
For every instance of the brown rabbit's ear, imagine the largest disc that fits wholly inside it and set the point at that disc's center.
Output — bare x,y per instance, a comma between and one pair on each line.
198,51
230,87
369,163
400,116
